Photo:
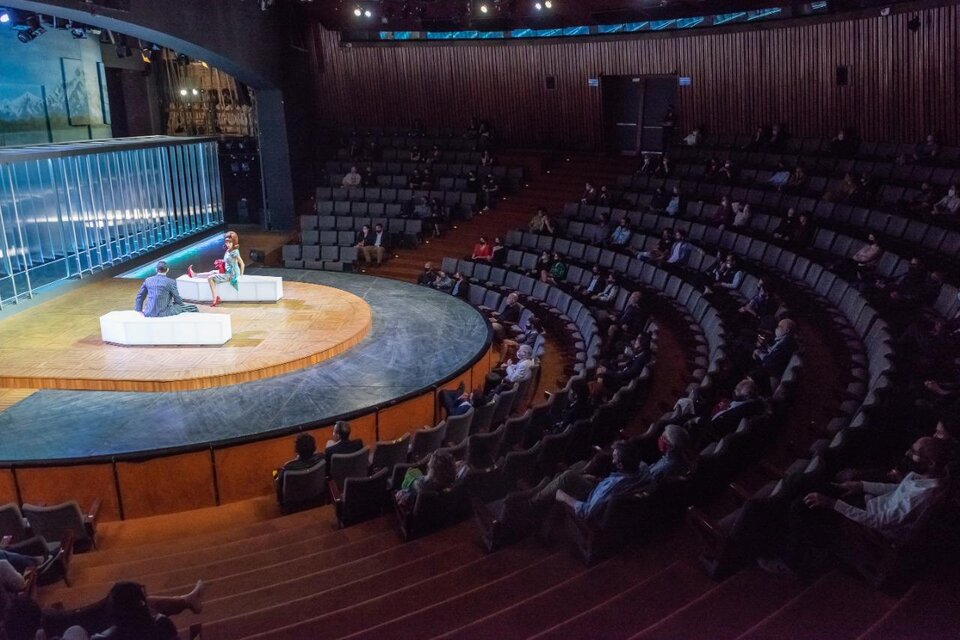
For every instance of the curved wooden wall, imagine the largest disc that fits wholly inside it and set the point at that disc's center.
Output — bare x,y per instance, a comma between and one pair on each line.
902,83
144,486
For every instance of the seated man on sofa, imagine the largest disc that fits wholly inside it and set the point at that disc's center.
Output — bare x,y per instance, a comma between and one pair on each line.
158,296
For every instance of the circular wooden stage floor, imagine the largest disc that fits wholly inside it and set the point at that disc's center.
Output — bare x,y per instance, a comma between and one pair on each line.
57,345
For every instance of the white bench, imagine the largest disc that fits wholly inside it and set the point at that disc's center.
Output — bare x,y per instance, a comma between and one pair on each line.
251,289
132,328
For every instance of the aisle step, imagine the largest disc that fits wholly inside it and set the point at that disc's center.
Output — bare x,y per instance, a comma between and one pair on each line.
367,613
926,612
636,607
589,588
837,603
493,596
727,610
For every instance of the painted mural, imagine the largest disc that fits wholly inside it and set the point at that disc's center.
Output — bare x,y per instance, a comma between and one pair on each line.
55,93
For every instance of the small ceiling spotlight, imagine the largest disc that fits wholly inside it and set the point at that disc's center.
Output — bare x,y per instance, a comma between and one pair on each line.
367,13
183,92
358,12
484,8
538,6
548,4
4,16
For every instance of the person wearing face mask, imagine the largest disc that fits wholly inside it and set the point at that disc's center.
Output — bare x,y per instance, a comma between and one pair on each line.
808,514
948,204
594,284
891,509
774,356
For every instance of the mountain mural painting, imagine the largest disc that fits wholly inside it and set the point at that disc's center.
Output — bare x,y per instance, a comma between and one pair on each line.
78,97
23,113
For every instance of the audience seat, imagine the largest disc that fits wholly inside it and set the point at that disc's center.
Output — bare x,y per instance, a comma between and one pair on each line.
363,498
348,465
302,488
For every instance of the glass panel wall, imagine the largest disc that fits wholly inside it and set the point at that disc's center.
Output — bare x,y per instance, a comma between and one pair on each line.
70,209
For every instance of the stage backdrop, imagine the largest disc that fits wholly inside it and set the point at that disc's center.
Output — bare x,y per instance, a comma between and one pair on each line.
52,89
902,83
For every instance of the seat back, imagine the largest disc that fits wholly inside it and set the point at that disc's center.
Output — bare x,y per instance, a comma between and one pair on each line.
11,522
426,441
304,486
504,405
436,509
482,417
514,431
363,498
53,522
521,465
458,427
390,453
486,485
349,465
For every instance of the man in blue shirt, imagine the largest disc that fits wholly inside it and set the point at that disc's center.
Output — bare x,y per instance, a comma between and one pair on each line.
630,473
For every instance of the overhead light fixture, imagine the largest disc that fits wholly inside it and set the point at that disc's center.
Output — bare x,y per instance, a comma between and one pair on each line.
484,8
4,16
548,4
183,92
358,12
368,13
195,92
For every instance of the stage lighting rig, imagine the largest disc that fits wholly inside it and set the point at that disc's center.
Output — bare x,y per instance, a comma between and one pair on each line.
4,16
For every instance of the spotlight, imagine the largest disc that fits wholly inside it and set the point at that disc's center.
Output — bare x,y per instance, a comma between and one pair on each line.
4,16
538,6
78,33
484,8
195,92
548,4
183,92
358,12
368,13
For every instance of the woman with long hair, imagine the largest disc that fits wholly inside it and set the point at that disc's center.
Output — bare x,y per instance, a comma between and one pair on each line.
233,267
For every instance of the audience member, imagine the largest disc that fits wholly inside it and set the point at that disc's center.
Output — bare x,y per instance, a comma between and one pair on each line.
441,474
353,179
482,250
620,237
461,287
428,276
340,441
949,204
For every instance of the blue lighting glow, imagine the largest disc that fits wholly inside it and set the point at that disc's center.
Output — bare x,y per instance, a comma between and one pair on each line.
692,22
181,258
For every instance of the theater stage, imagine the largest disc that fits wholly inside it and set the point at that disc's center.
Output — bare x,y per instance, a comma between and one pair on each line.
337,344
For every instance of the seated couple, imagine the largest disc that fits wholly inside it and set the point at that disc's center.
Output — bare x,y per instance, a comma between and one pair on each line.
305,446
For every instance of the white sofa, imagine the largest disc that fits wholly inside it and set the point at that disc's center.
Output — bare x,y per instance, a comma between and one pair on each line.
251,289
131,328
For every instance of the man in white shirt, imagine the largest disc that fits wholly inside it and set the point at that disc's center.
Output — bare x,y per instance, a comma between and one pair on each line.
352,180
522,369
610,291
891,509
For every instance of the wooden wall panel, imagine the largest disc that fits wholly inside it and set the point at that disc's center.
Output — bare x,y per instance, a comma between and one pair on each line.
83,483
166,485
406,416
245,471
902,83
8,488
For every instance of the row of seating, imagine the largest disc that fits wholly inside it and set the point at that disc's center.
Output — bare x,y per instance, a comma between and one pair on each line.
317,229
830,166
863,334
889,196
330,199
625,518
401,154
816,147
438,169
929,237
